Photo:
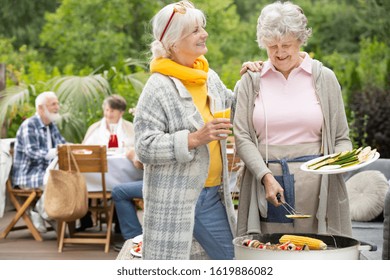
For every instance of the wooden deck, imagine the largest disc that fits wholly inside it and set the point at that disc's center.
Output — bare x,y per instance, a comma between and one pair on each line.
20,245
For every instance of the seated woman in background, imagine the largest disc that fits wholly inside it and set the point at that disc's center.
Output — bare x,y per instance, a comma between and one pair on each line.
99,133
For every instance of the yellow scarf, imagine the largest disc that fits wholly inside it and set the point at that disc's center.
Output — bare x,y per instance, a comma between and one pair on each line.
196,75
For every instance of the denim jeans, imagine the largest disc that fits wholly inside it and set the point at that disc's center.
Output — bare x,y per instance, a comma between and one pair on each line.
212,229
123,195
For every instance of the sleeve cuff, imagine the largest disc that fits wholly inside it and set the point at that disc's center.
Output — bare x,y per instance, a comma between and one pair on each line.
182,153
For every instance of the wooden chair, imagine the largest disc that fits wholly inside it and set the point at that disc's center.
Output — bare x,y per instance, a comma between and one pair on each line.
22,200
89,158
233,159
139,203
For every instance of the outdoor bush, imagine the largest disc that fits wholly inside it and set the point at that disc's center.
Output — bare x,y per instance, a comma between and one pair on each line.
371,122
40,43
372,65
343,65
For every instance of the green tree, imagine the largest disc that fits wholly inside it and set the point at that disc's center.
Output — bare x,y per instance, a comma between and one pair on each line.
84,41
230,41
372,67
221,20
95,32
371,123
334,27
249,10
80,96
373,19
23,20
345,68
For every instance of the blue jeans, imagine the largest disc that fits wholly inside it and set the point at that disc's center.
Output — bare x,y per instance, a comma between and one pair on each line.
125,208
212,229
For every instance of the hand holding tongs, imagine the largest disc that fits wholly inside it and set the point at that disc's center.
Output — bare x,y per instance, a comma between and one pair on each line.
292,213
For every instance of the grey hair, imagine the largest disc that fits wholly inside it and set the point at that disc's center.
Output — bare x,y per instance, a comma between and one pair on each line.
180,26
42,98
278,20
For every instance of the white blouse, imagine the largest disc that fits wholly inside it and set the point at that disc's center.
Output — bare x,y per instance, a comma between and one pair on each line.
101,135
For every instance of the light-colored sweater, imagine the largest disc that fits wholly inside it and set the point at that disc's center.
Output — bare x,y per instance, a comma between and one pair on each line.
95,135
174,175
333,211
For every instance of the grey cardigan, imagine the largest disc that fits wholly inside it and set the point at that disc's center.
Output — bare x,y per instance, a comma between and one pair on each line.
333,211
174,175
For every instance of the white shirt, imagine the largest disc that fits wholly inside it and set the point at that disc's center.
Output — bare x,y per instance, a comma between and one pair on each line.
101,135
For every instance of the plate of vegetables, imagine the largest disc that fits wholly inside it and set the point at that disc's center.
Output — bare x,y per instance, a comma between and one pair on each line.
341,162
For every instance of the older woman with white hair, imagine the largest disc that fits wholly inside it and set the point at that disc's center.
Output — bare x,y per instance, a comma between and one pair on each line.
290,112
182,145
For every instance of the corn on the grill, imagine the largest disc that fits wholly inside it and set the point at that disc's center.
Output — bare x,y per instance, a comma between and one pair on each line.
313,243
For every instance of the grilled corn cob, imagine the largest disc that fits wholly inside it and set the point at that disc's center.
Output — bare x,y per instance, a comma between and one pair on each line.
313,243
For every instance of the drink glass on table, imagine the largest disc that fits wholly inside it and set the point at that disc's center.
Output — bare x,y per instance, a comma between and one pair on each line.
113,141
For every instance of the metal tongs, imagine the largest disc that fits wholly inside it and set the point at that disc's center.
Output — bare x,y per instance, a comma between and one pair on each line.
292,213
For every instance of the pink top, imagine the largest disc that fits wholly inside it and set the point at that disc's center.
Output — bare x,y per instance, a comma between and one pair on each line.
292,110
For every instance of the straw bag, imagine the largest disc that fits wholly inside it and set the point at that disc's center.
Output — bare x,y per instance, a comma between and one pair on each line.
66,195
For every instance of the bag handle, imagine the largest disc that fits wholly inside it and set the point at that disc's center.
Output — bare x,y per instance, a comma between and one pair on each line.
70,155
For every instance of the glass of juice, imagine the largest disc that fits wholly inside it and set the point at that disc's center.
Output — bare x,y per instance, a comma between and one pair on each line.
223,111
113,141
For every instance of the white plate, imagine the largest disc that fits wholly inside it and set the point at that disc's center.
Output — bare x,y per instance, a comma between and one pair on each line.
137,239
115,151
135,254
230,151
82,152
111,153
339,170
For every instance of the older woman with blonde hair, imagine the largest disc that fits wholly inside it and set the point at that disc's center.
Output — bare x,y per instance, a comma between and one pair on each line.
182,145
290,112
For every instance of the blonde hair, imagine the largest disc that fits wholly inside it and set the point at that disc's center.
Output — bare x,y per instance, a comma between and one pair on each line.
180,26
278,20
